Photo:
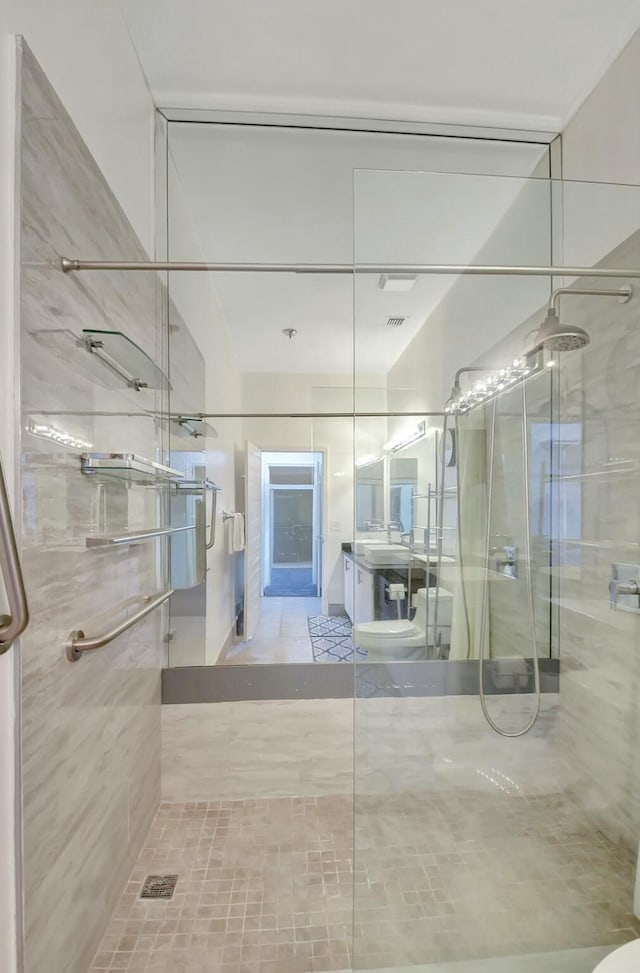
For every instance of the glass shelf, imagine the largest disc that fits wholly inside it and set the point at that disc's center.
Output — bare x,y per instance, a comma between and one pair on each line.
110,348
196,486
192,426
126,358
128,467
629,468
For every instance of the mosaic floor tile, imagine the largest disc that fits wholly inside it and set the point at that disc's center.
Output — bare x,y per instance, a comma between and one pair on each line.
267,886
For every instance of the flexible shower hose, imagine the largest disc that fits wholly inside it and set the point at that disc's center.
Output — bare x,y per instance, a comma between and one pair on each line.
485,584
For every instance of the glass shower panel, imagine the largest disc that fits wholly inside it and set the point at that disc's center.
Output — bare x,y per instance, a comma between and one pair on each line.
305,485
495,788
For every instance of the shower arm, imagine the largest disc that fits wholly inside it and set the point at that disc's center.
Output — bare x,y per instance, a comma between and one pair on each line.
456,390
623,294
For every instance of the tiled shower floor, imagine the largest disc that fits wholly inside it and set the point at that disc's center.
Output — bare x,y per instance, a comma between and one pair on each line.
475,874
265,886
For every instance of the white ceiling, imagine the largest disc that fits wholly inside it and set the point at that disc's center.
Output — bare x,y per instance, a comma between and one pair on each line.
271,195
508,63
284,194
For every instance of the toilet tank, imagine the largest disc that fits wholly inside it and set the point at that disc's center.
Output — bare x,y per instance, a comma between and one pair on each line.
445,606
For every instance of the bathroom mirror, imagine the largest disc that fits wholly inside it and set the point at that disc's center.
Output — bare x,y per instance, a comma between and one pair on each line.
403,484
369,496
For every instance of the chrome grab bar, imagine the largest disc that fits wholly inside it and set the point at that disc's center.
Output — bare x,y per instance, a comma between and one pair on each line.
11,626
79,643
212,527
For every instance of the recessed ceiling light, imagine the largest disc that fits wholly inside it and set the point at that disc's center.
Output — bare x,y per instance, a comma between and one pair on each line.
398,283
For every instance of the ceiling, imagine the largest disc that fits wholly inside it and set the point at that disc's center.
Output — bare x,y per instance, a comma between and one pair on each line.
505,63
255,193
273,195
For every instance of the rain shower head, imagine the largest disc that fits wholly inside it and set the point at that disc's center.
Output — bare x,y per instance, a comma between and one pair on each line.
556,336
553,335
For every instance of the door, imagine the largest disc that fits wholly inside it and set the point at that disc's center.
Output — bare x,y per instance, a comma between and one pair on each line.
252,541
292,526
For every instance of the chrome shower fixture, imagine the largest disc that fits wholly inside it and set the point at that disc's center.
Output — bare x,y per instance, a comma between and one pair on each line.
554,335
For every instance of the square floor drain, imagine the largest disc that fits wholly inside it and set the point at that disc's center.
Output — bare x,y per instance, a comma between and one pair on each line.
158,886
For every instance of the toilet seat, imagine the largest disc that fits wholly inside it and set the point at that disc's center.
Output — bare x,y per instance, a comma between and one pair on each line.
387,628
401,639
625,959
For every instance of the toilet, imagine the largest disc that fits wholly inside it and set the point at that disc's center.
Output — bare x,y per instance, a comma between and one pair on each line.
625,959
393,640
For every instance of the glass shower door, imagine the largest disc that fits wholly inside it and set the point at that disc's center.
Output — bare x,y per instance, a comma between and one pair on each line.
484,836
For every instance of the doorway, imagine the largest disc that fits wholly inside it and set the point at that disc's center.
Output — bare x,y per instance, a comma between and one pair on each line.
292,513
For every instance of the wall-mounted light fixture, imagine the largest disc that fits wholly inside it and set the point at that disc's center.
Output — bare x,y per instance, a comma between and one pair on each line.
493,384
408,437
60,436
370,460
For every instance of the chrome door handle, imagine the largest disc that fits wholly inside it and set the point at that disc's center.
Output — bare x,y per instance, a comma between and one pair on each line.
11,626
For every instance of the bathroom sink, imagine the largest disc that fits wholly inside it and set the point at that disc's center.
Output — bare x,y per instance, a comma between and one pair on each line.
386,553
360,546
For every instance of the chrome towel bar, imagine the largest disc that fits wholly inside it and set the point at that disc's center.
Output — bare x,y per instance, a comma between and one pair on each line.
78,643
11,626
135,537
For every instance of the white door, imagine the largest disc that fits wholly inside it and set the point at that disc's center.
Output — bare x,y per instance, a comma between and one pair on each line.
253,538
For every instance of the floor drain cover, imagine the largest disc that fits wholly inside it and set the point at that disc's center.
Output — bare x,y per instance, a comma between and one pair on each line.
158,886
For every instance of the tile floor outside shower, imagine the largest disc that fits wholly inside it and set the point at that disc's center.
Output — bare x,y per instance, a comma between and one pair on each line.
282,633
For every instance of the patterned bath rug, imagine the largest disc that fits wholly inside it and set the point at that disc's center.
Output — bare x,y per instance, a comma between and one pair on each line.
331,639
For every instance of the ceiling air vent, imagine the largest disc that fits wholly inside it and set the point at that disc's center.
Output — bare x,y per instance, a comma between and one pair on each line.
395,322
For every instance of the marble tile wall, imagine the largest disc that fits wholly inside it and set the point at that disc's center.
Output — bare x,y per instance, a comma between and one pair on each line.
599,716
187,608
510,629
599,710
273,748
90,730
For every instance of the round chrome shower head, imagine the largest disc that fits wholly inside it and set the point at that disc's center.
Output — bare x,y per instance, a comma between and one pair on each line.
556,336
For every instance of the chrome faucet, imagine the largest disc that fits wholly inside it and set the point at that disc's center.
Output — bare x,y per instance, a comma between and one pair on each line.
622,588
392,525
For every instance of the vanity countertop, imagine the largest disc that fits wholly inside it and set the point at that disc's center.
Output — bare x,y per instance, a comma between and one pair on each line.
411,558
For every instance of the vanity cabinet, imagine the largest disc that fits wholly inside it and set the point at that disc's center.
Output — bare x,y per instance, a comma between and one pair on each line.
364,611
358,591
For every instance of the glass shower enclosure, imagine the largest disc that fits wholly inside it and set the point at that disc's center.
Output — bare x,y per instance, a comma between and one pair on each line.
496,787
